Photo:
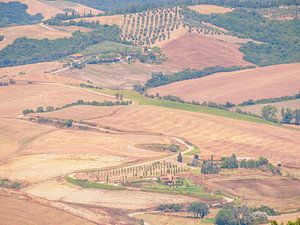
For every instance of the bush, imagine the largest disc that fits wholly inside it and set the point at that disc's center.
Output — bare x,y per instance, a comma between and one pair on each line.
170,207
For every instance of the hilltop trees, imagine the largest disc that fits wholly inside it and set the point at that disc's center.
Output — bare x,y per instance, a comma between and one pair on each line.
198,209
14,13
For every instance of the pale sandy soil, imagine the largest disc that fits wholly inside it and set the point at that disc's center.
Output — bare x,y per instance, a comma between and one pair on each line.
238,86
210,9
33,95
36,31
18,211
197,51
106,198
109,20
255,188
40,167
62,5
212,134
35,6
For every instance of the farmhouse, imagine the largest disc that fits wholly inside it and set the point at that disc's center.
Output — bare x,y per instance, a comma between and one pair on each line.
76,56
168,179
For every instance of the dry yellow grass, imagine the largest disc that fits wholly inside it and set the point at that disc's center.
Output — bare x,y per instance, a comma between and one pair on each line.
255,188
124,199
109,20
159,219
20,211
15,98
35,6
238,86
62,5
37,32
212,134
39,72
210,9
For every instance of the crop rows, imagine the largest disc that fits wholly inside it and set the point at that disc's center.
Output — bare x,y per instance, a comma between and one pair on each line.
150,26
154,169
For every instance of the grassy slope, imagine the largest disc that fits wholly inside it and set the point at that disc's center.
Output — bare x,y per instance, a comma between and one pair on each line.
140,99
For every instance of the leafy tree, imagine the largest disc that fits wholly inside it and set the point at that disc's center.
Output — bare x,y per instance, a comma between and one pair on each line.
229,162
179,157
68,123
198,209
287,115
269,112
40,109
235,215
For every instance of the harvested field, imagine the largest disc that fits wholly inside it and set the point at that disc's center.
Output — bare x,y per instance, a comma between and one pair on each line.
161,219
236,87
20,211
62,5
40,167
210,9
105,198
33,95
36,6
109,20
198,51
212,134
36,31
256,188
118,75
256,109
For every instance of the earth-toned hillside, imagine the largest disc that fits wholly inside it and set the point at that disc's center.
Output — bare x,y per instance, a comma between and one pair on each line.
149,112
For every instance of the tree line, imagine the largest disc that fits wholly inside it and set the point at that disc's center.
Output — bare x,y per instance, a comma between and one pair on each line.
27,50
160,79
278,38
134,6
41,109
270,100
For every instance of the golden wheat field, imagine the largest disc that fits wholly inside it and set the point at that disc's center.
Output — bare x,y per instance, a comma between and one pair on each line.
236,87
212,134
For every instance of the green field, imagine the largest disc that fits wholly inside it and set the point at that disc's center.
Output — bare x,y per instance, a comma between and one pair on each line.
142,100
88,184
187,188
108,47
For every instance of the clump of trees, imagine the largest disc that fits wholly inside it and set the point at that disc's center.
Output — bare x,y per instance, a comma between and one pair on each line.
170,207
15,13
1,37
269,113
198,209
229,162
237,215
27,50
209,167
